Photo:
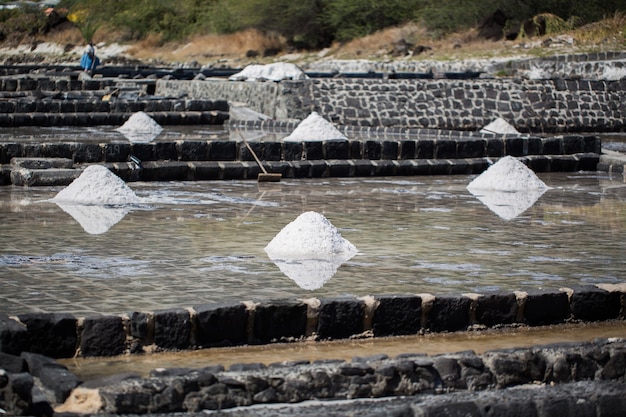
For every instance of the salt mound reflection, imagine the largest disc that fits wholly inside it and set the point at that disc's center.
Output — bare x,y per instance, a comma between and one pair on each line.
508,204
310,274
95,220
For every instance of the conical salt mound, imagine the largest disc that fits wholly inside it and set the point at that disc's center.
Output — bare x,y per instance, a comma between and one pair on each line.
499,126
97,185
315,128
140,122
309,236
508,174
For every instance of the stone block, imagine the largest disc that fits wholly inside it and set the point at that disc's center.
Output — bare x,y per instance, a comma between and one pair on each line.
356,151
495,147
292,151
449,313
445,149
164,171
372,149
363,168
494,309
337,149
54,335
12,364
13,336
408,149
552,146
165,151
143,151
204,170
102,336
425,149
546,307
590,303
340,318
87,152
573,144
116,152
279,320
59,380
172,329
221,324
389,150
397,315
385,168
193,150
339,168
471,148
233,170
9,151
140,327
222,150
313,150
18,394
272,151
515,146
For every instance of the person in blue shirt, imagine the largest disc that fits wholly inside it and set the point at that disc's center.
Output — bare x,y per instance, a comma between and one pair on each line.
89,60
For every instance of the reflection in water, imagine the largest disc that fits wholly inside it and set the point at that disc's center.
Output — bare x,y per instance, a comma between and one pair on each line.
311,274
95,219
508,204
201,242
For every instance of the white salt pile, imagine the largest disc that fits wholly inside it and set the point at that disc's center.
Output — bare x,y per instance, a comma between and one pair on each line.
140,128
96,185
314,128
508,174
499,126
310,235
508,188
309,250
277,71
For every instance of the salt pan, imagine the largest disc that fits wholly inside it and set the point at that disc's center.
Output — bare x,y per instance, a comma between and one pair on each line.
273,72
500,126
140,128
309,250
314,128
508,174
96,185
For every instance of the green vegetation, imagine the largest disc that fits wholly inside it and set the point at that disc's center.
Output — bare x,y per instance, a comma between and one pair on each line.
304,23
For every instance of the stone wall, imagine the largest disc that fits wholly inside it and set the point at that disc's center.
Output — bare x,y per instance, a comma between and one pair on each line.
64,336
537,106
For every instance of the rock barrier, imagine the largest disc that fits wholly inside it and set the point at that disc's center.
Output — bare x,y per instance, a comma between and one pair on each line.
417,152
586,379
231,324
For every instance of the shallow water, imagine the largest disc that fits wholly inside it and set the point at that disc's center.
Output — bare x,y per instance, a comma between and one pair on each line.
431,344
190,243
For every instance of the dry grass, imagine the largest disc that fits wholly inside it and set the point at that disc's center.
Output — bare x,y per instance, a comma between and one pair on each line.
207,48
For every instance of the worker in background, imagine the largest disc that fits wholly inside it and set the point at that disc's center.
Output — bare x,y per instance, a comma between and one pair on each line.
89,60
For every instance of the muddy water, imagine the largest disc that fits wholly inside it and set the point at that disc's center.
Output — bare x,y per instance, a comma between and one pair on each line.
90,368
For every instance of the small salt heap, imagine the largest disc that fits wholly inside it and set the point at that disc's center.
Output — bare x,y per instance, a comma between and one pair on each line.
508,174
277,71
508,188
97,185
140,128
309,250
500,126
315,128
89,197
